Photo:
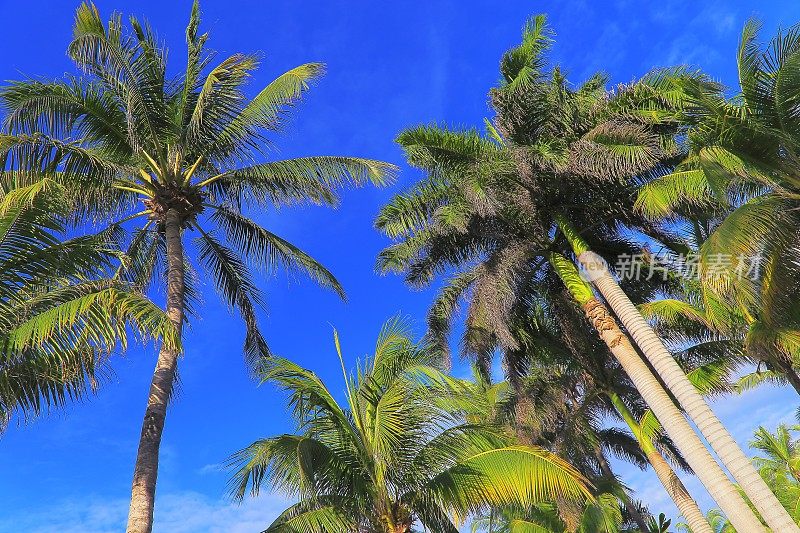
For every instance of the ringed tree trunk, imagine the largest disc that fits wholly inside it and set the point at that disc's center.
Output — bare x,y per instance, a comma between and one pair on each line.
637,517
692,402
669,479
717,483
140,515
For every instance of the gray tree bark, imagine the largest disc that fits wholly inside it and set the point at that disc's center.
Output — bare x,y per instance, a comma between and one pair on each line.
145,474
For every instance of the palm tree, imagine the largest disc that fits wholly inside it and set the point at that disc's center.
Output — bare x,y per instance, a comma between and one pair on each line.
689,321
741,158
398,452
564,412
59,318
741,168
559,412
605,393
494,210
689,398
189,151
780,464
635,161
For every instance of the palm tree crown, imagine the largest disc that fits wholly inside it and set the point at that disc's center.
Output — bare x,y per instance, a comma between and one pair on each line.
125,133
398,452
490,205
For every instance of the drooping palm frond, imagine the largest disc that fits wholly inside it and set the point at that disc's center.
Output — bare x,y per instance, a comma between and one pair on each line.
398,451
61,320
124,132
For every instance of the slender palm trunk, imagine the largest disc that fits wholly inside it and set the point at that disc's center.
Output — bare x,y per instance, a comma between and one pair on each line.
676,426
690,445
140,516
692,402
637,517
669,479
677,491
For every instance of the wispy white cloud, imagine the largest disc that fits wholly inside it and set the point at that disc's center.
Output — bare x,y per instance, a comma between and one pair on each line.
180,512
211,468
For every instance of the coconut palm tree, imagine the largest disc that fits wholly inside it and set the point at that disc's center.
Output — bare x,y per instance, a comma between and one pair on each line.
688,397
397,453
741,158
779,464
498,210
646,151
741,167
781,449
59,318
739,175
187,155
645,428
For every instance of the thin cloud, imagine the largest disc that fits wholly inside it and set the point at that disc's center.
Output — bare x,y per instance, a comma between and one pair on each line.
180,512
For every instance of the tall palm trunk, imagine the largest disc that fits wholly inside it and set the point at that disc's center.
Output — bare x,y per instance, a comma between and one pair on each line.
140,516
669,479
677,427
637,517
692,402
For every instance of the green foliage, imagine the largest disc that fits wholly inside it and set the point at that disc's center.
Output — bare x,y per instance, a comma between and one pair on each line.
739,181
60,317
779,465
125,132
497,212
602,516
399,451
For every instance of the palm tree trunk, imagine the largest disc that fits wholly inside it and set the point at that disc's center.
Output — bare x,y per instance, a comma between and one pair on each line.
690,445
677,491
692,402
788,370
676,426
669,479
637,517
140,516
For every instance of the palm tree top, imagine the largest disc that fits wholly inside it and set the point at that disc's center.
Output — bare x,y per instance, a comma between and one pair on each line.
131,141
396,452
493,207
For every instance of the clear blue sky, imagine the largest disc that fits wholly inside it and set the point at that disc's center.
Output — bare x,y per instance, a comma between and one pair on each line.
390,66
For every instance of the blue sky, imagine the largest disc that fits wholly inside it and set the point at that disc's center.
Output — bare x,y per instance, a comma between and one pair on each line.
390,66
